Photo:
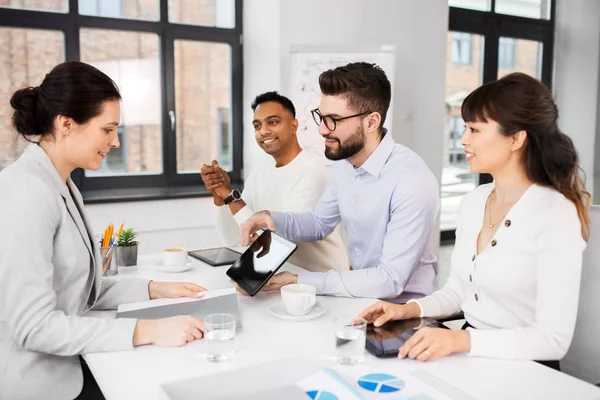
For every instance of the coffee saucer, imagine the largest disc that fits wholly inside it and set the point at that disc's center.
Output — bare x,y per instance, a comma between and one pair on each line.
177,268
278,310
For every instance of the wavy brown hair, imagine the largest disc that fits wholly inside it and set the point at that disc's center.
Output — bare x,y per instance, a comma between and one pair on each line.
519,102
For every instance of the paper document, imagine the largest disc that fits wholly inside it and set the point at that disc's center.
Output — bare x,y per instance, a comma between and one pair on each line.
213,301
327,384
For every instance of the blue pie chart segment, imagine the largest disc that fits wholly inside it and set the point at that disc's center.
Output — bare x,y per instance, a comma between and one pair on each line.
381,383
321,395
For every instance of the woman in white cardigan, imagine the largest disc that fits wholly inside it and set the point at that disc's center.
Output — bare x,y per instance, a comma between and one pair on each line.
516,265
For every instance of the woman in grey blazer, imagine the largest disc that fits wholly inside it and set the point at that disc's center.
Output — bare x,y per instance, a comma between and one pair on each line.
50,273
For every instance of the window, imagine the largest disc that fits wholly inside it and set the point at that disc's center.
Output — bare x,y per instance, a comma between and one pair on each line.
131,60
181,84
506,53
26,56
481,5
224,146
461,48
101,8
202,88
457,179
524,8
520,55
219,13
498,44
59,6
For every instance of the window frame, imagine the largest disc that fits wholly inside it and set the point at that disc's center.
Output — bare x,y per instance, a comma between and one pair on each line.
491,26
170,183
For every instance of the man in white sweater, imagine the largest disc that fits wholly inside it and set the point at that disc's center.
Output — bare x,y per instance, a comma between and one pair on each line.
295,182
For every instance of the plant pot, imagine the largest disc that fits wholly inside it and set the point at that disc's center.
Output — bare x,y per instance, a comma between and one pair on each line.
127,256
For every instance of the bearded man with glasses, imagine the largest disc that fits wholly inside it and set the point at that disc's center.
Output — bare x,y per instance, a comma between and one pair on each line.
384,194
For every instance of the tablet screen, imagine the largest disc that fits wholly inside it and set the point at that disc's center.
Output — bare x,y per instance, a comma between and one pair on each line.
219,256
387,339
260,261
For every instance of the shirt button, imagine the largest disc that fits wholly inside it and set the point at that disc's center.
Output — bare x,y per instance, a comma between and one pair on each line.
476,297
473,259
494,242
470,278
507,223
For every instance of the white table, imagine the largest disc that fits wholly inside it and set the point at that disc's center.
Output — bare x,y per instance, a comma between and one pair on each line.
138,374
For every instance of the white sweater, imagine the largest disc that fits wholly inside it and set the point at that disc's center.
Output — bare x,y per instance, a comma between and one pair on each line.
295,187
522,291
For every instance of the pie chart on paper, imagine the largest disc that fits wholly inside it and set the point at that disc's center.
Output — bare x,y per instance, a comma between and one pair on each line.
321,395
381,383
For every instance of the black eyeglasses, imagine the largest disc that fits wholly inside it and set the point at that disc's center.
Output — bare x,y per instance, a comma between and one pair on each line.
331,122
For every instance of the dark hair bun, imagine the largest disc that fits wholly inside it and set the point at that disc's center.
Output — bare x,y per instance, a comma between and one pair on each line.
25,103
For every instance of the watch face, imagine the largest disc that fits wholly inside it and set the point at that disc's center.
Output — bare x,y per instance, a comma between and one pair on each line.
236,194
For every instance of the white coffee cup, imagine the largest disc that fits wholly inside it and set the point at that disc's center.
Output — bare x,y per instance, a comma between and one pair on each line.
175,257
298,299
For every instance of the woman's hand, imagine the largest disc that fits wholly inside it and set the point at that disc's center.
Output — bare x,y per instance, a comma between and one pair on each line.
169,332
428,344
160,290
382,312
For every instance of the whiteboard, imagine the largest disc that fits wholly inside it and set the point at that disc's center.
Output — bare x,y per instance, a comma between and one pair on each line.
306,94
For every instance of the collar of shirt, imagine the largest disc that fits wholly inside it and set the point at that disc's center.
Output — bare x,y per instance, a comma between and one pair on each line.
379,157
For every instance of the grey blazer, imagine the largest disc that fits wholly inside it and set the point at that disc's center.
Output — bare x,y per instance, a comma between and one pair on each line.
50,278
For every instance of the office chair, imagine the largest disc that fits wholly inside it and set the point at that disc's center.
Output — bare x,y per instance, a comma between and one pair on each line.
583,358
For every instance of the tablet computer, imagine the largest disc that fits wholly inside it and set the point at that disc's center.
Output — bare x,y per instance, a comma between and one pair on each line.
385,340
216,257
261,261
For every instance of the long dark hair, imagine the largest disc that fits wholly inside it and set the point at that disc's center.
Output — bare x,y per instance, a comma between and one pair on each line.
519,102
73,89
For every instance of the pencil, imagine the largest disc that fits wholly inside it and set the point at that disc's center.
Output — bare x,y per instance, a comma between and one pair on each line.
120,229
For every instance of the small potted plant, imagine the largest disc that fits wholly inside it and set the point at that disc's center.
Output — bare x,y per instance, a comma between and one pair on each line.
127,250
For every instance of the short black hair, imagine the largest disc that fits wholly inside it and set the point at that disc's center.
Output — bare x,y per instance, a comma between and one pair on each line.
365,85
277,98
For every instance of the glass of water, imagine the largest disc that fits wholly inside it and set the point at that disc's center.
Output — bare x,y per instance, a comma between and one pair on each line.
219,333
350,336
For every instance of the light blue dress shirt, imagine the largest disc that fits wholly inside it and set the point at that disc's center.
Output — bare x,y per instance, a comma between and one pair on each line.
388,208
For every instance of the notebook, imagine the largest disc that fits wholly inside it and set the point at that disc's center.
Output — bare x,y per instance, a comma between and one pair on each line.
214,301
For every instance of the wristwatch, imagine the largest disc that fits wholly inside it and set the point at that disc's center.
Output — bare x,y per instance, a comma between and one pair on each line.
235,195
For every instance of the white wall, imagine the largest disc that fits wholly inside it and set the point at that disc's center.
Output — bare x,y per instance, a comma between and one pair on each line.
576,76
417,29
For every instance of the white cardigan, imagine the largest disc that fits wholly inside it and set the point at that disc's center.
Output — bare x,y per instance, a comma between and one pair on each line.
522,290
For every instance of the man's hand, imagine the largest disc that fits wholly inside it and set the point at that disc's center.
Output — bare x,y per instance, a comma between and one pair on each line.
217,182
275,283
248,229
279,280
225,188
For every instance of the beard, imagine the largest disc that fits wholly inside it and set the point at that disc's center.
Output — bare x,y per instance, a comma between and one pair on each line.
350,147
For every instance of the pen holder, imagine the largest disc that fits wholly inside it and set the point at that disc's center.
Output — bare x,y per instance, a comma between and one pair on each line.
109,260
